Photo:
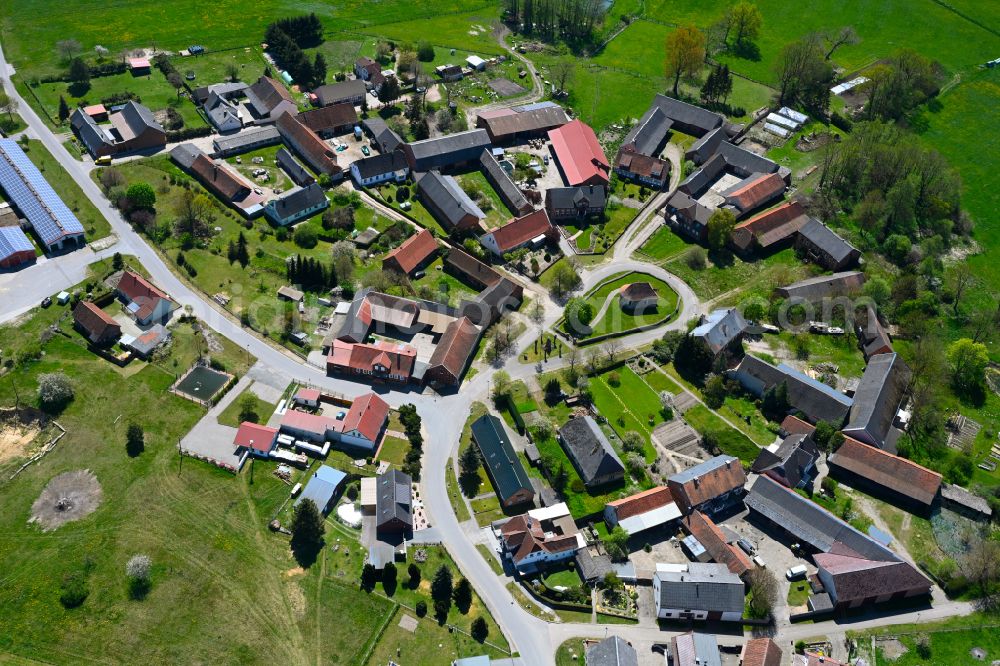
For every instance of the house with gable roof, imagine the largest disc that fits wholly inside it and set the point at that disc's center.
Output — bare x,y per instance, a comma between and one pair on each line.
711,487
539,538
590,452
142,301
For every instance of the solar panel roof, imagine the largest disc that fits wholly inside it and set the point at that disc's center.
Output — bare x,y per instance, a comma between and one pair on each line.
13,240
32,194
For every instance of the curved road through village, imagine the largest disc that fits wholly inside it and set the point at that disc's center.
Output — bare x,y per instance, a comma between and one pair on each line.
443,416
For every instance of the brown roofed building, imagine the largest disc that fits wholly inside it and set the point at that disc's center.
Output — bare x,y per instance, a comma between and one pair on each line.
316,152
642,511
853,581
222,182
638,296
413,254
533,228
330,120
267,99
770,227
378,360
872,336
143,301
713,542
532,543
506,127
96,324
452,353
711,486
469,268
793,425
754,192
761,652
898,480
648,170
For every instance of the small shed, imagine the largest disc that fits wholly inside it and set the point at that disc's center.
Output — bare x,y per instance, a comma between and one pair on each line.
476,63
290,294
139,66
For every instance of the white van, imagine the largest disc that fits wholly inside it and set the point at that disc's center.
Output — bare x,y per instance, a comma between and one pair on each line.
796,572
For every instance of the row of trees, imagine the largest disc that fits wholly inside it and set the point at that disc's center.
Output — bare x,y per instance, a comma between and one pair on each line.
571,20
310,273
412,424
285,40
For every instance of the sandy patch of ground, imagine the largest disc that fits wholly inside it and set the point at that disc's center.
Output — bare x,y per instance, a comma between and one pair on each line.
15,441
295,571
297,599
68,497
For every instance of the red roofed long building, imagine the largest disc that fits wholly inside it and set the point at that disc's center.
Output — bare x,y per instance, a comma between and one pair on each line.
452,353
769,228
365,421
378,360
533,228
579,154
754,192
143,302
414,253
896,479
310,147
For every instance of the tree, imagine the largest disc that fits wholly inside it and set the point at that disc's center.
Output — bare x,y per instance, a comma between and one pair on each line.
501,384
693,359
462,595
425,52
715,391
562,72
564,279
242,253
174,79
898,85
79,72
319,69
7,104
117,263
54,390
413,576
968,361
685,53
68,48
368,576
961,279
135,440
306,237
63,108
141,196
389,578
578,314
421,608
720,226
249,406
763,590
636,465
307,532
195,212
560,478
746,20
775,401
981,569
633,442
616,543
479,629
828,436
803,74
389,91
441,591
137,575
846,36
469,463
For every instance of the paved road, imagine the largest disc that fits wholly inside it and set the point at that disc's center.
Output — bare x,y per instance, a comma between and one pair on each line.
443,416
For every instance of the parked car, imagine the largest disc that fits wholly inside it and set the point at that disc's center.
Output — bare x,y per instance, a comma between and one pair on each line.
746,546
796,572
47,301
759,561
365,151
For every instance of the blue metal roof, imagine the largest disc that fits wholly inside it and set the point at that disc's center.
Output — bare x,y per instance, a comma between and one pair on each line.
322,486
34,197
13,240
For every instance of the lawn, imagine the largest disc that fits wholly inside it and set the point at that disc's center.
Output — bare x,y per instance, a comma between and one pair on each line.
212,67
536,352
841,350
798,594
455,495
394,450
950,640
616,320
642,411
479,189
230,416
153,90
442,285
664,244
94,224
198,524
727,273
731,442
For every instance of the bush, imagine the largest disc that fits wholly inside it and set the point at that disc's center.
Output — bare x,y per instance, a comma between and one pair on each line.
614,380
829,486
306,237
54,390
421,608
577,486
696,259
425,52
841,122
137,574
141,195
74,591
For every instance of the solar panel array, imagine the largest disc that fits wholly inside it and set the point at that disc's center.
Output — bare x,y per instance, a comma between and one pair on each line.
13,240
34,197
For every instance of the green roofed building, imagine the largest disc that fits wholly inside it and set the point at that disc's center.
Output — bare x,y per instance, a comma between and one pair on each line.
504,467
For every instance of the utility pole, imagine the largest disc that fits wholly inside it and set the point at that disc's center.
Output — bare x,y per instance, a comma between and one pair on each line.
180,456
17,398
252,459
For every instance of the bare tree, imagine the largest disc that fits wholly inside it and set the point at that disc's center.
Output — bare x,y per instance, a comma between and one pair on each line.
174,79
101,52
8,104
764,587
562,72
593,359
611,349
961,279
981,568
68,48
843,37
537,312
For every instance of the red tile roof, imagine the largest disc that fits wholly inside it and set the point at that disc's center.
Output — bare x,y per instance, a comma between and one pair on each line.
307,143
138,290
855,578
255,436
367,416
580,155
328,118
884,469
95,321
771,226
638,291
219,179
642,502
711,483
708,534
520,230
760,652
311,423
814,659
411,253
307,395
523,535
362,358
793,425
453,350
95,110
756,192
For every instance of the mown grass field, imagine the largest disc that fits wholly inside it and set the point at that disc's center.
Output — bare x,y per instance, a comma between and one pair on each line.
664,244
616,320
